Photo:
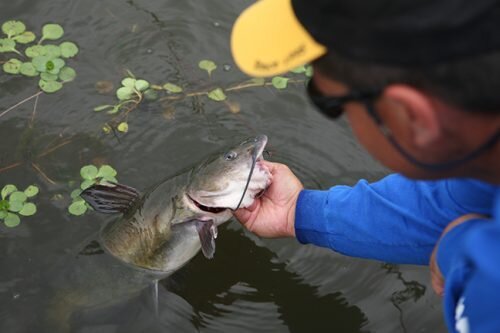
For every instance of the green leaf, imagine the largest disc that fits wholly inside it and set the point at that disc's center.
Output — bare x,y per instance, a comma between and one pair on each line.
35,51
309,71
141,85
13,28
50,86
106,129
31,191
7,45
68,49
108,180
106,171
13,66
115,109
15,206
25,38
52,32
124,93
4,206
77,208
280,82
67,74
52,51
258,80
129,82
299,70
27,69
75,193
12,220
103,107
40,63
89,172
150,95
217,95
172,88
54,66
207,65
3,214
28,209
49,77
8,189
17,196
123,127
87,183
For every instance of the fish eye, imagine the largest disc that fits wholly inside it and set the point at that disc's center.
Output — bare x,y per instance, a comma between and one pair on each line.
229,156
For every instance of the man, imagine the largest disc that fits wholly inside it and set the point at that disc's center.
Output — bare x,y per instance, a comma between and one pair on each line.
419,81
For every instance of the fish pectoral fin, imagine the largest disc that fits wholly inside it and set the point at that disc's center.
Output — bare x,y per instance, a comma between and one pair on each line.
207,231
110,199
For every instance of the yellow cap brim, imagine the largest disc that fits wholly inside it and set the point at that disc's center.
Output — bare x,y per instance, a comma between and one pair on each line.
267,39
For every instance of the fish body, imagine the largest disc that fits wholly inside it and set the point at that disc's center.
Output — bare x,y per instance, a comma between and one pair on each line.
158,231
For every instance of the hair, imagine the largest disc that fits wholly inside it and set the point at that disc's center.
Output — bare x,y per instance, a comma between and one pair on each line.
472,84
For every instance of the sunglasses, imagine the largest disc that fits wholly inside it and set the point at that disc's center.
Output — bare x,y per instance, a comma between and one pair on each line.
333,106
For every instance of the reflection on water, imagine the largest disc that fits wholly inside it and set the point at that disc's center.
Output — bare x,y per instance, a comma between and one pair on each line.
252,284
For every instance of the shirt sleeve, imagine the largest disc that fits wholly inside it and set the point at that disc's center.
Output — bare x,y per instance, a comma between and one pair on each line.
396,219
468,257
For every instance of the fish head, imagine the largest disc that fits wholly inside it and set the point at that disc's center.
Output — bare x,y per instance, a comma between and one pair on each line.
232,179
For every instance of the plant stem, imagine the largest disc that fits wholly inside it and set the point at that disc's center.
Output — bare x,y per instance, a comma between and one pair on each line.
43,174
20,103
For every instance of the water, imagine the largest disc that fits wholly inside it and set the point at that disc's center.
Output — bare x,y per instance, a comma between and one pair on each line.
252,284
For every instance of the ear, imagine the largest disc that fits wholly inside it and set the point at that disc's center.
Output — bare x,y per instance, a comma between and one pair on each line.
419,111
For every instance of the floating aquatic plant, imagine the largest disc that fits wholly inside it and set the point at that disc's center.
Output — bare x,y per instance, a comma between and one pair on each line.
14,203
45,61
133,91
91,175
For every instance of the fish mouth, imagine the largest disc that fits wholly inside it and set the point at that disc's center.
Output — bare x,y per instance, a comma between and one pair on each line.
208,209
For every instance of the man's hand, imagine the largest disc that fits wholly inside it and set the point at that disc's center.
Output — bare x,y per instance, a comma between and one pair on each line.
437,279
273,214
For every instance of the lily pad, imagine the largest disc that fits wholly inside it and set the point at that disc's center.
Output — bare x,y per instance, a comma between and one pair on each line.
25,38
3,214
17,196
67,74
35,51
31,191
68,49
207,65
123,127
28,209
106,171
7,45
299,70
54,66
49,77
124,93
141,85
27,69
13,66
52,31
150,95
8,189
309,71
217,95
75,194
50,86
89,172
12,220
172,88
13,28
280,82
15,206
129,82
52,51
87,183
77,208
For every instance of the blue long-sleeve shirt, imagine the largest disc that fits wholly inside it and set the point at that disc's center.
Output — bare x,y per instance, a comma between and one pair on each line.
400,220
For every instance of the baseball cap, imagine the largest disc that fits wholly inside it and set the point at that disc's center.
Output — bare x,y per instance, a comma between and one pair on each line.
274,36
